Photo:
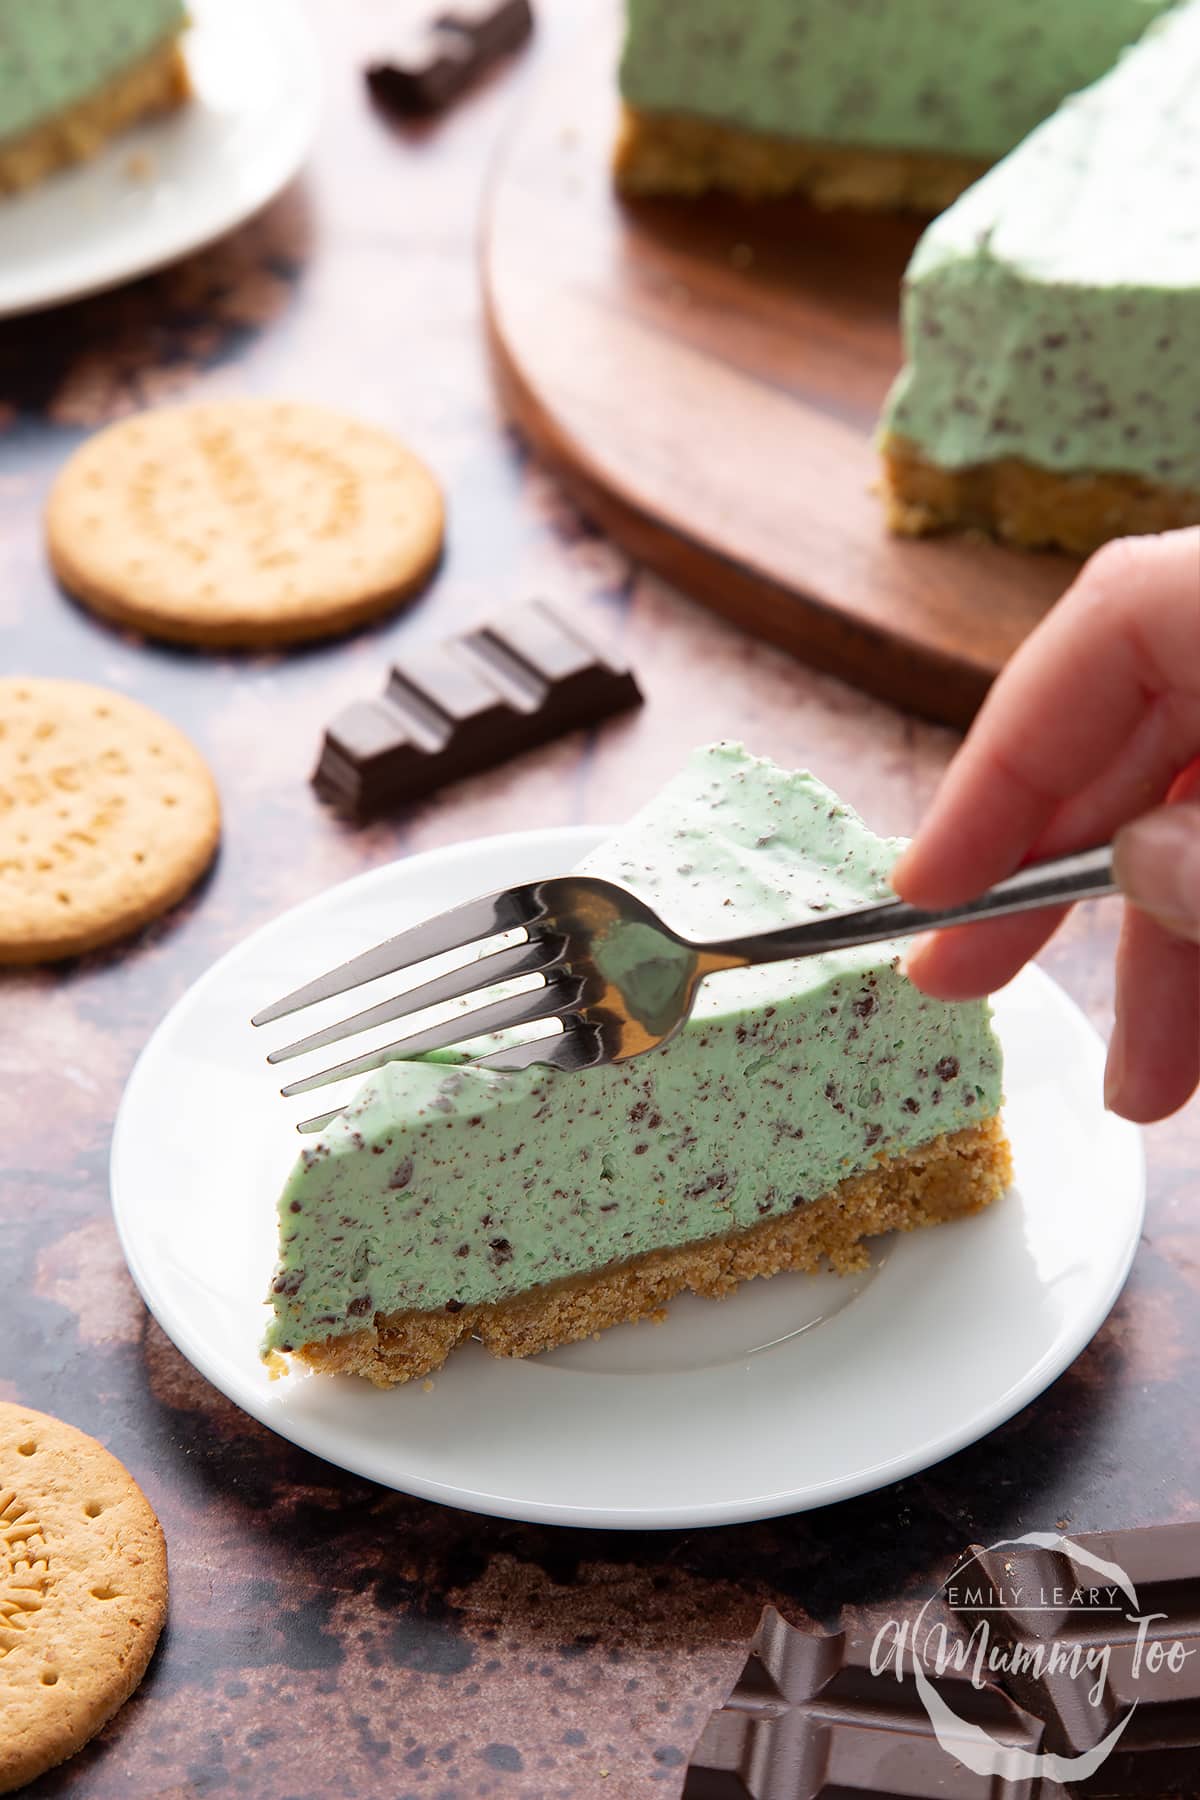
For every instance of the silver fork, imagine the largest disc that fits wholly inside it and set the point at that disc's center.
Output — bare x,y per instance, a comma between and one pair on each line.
616,978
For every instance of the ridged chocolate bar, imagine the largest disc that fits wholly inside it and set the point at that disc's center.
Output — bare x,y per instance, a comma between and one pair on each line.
440,58
460,707
494,27
807,1720
425,71
1039,1601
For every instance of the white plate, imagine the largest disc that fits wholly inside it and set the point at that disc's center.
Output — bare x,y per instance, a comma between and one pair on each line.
738,1409
171,185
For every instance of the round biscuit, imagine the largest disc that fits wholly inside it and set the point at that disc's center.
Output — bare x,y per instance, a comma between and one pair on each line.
108,815
83,1590
241,523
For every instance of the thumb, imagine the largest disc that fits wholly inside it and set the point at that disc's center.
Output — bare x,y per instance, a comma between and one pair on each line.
1157,864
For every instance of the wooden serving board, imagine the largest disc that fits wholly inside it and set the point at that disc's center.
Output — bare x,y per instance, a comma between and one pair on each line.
706,376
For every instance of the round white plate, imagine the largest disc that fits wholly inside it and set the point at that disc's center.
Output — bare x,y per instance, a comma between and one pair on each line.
790,1394
173,184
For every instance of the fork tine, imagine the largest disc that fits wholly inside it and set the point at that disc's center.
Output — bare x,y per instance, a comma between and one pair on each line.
571,1049
321,1120
532,957
462,925
546,1002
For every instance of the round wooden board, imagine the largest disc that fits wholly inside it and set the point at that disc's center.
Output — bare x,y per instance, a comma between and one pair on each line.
706,377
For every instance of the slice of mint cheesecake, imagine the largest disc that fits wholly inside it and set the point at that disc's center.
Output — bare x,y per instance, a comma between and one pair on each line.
806,1107
73,75
870,103
1051,392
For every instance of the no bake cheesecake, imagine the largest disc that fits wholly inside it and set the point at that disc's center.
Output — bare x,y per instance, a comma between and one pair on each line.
1051,392
854,102
805,1108
75,72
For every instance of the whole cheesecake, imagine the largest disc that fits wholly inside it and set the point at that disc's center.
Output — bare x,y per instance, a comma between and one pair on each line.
75,72
805,1108
1051,392
854,102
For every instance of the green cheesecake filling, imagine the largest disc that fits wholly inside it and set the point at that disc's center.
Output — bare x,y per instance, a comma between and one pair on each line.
1053,313
961,77
443,1185
54,52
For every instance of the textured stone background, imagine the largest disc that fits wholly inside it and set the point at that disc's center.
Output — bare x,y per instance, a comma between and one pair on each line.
328,1637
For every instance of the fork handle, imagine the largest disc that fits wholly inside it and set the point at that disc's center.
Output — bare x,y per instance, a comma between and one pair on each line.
1084,875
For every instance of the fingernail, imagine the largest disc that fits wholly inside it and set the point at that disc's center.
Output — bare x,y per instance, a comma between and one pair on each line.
1114,1067
1157,864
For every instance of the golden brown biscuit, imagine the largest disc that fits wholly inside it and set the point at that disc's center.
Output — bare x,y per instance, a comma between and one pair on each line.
108,815
243,522
83,1590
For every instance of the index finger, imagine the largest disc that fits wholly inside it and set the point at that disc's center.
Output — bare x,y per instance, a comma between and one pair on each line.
1122,641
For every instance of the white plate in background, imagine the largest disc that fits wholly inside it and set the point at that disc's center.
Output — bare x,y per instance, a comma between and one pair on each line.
173,184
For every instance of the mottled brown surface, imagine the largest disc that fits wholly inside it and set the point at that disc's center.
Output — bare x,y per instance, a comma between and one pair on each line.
328,1637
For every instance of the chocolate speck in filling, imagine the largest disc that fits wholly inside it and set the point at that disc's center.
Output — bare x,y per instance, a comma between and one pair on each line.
402,1174
358,1308
295,1206
947,1069
501,1250
453,1306
864,1006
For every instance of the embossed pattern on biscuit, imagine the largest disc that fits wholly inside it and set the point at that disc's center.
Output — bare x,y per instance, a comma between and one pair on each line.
24,1568
83,1590
108,815
243,522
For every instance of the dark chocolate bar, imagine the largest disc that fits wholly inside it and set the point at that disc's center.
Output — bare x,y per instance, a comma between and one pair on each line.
441,58
460,707
425,72
808,1720
1072,1649
494,27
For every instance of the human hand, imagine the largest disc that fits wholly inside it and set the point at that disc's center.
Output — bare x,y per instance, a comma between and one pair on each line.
1092,731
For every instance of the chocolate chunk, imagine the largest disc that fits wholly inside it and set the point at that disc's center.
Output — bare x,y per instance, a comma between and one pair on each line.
494,27
1084,1648
461,707
425,73
808,1720
438,60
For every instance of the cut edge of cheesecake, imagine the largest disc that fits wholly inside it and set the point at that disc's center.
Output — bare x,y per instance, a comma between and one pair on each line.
681,154
156,83
947,1178
1023,504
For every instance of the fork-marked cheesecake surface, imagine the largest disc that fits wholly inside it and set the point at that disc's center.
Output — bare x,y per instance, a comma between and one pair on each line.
804,1107
1052,322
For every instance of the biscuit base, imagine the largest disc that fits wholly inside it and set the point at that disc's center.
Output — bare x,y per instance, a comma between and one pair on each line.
157,83
674,153
945,1179
1034,508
